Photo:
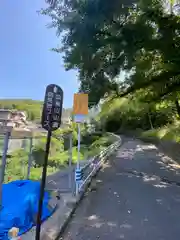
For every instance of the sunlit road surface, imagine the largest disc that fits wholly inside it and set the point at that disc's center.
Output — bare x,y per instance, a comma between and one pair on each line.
134,197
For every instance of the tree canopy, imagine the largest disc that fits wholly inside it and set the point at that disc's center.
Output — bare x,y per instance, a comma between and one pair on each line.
102,38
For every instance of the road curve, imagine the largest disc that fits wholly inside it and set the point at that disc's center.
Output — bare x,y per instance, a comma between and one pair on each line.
136,197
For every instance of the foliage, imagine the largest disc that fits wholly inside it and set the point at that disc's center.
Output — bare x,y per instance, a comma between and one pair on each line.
131,113
169,132
38,151
84,27
157,58
16,166
58,158
104,141
101,38
95,144
89,138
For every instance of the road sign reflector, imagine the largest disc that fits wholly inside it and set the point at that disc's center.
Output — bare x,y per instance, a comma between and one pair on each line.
78,174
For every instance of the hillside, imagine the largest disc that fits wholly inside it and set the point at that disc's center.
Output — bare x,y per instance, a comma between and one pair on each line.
32,108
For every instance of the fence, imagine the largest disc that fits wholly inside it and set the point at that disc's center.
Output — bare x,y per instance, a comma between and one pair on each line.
90,167
29,151
22,158
26,156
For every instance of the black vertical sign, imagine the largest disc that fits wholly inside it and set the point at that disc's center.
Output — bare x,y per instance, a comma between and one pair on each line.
52,108
51,120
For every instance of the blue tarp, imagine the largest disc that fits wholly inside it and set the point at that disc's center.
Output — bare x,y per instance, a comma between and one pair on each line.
20,205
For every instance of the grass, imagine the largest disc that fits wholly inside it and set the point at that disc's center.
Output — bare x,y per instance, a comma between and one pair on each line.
169,132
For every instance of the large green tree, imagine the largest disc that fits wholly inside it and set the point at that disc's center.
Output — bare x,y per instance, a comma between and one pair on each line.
89,30
102,38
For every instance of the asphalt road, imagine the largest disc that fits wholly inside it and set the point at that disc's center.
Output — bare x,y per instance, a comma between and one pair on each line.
135,197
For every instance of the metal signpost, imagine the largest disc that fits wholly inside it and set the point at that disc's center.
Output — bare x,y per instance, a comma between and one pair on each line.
30,157
3,164
70,161
51,121
80,110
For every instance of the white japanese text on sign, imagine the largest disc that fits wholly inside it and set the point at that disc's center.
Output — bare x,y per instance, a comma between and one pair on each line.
52,107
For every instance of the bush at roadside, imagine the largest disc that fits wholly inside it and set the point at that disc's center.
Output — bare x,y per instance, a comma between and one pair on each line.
58,158
169,132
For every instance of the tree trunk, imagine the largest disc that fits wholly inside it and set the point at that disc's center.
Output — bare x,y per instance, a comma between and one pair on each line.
150,121
177,107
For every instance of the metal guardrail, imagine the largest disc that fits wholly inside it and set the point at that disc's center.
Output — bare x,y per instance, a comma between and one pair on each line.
95,163
63,181
88,168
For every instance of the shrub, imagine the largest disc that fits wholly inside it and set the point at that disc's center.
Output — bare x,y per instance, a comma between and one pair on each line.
131,113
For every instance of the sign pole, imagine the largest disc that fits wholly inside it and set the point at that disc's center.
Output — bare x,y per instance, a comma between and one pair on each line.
30,158
51,121
78,156
80,110
79,145
43,183
70,161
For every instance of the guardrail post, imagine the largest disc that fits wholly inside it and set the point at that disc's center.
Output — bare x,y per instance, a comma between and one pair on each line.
78,178
3,164
30,158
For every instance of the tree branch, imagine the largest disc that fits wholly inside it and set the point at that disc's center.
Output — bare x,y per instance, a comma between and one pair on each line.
157,79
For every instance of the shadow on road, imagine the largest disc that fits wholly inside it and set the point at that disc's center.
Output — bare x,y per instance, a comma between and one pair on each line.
130,199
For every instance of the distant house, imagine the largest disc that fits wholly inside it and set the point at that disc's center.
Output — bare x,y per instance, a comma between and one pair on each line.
12,118
19,118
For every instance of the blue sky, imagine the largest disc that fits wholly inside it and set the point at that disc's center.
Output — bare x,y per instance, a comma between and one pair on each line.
27,64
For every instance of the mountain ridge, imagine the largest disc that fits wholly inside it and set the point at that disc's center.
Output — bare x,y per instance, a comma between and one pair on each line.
33,108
